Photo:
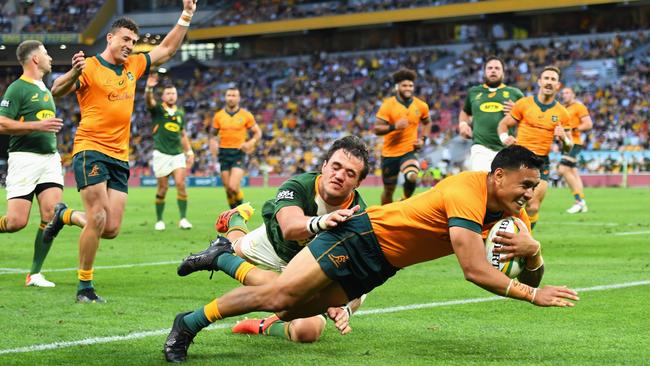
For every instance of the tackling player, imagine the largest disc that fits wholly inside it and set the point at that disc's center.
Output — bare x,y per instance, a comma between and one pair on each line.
398,121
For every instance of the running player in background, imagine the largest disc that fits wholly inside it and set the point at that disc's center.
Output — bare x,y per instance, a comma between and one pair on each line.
231,144
580,122
105,86
485,105
398,121
539,119
172,150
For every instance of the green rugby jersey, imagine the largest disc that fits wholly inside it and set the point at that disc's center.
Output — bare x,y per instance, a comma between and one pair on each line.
298,191
167,128
485,106
25,100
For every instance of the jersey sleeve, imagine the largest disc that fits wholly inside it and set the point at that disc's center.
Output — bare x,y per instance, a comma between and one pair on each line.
10,103
290,193
384,112
141,64
517,94
425,111
84,79
582,111
467,107
250,120
464,210
525,218
517,112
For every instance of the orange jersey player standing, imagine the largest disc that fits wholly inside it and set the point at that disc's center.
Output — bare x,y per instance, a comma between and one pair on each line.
105,85
398,121
580,122
230,126
539,120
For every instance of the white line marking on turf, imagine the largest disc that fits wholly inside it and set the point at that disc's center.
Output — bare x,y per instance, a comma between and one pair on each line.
633,233
139,335
579,223
4,271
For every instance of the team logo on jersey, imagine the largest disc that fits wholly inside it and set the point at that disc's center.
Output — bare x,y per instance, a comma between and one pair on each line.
46,98
478,96
506,94
94,171
284,195
121,82
491,107
44,114
130,76
173,127
35,97
555,118
5,103
338,260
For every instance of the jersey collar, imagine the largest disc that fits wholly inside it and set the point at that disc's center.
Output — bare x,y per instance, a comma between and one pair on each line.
233,113
544,107
39,83
492,90
405,103
116,68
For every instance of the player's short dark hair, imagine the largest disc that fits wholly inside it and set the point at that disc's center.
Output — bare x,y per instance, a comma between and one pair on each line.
404,74
356,147
492,58
168,86
124,22
516,157
25,49
552,68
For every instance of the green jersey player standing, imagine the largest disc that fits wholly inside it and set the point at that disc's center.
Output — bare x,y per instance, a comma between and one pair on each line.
485,106
172,151
303,206
27,113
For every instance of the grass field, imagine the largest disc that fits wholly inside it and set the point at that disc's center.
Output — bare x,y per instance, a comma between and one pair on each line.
426,315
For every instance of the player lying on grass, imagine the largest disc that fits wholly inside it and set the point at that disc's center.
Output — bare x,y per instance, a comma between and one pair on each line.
368,248
303,206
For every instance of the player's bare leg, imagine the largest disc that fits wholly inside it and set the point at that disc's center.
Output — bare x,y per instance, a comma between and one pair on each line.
387,193
574,182
234,185
17,215
225,180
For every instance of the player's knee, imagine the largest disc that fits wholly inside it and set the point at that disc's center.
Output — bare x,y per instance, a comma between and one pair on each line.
411,176
110,232
97,219
307,330
15,223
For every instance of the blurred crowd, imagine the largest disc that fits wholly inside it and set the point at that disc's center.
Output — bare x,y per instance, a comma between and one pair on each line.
248,12
46,16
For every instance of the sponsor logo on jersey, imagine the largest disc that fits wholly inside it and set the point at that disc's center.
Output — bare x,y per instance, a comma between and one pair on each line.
173,127
44,114
115,96
491,107
478,96
5,103
284,195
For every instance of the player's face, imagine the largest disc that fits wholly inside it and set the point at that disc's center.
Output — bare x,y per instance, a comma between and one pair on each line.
493,73
549,83
169,96
340,175
515,187
121,43
232,98
44,60
405,89
567,96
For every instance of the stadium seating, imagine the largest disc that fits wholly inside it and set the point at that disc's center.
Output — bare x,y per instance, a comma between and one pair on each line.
44,16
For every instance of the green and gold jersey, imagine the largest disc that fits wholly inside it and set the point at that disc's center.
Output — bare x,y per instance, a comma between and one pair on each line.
485,105
168,126
28,100
301,191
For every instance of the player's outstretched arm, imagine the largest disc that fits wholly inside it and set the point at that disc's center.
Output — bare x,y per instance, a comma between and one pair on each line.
470,252
296,226
11,127
173,40
67,83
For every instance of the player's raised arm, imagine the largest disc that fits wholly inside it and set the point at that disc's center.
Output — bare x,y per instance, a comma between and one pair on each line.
67,83
470,253
150,99
173,40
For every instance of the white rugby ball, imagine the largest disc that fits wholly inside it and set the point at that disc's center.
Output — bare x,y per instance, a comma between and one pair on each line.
514,266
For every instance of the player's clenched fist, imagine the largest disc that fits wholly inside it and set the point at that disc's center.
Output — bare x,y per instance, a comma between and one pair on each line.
79,62
49,125
189,6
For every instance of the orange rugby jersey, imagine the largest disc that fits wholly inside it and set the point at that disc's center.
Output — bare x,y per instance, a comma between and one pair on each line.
400,142
106,94
417,229
537,123
576,111
232,127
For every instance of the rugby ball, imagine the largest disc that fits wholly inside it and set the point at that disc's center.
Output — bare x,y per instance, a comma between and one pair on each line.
513,267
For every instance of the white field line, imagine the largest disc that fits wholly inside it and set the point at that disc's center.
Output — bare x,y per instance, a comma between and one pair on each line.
139,335
578,223
4,271
632,233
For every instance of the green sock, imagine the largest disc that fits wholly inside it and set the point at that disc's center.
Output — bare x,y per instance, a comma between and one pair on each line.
84,285
228,263
196,320
182,207
160,207
40,249
277,329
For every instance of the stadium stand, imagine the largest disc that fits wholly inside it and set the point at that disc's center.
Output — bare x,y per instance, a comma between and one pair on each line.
43,16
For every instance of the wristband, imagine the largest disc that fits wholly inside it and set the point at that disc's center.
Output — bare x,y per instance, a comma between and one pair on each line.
503,137
185,19
189,153
317,224
347,309
518,290
532,300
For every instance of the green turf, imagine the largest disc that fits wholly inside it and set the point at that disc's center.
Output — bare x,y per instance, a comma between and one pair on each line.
606,327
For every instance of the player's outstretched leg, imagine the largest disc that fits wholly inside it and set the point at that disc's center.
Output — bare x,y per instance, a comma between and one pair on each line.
178,340
206,260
